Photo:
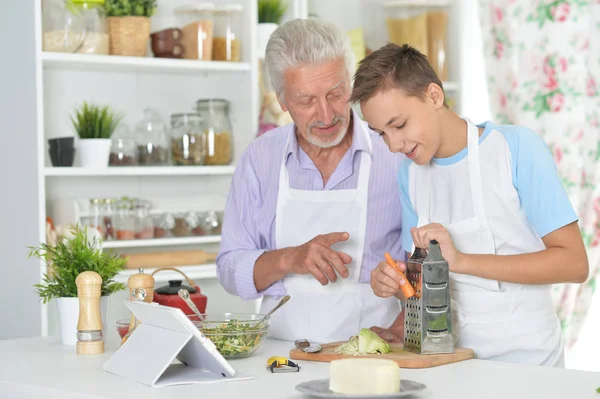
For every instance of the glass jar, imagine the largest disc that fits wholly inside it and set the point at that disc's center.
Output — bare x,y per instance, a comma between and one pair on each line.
124,220
226,40
195,222
151,139
63,27
163,225
181,228
196,22
213,223
79,26
437,34
219,137
407,24
188,139
144,223
108,214
95,220
123,151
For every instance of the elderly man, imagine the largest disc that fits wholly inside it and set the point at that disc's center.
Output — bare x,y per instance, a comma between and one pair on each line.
313,205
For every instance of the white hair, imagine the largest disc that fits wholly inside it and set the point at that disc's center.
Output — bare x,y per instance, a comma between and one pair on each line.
305,42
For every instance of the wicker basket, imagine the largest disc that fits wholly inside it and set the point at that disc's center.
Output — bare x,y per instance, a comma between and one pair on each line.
129,35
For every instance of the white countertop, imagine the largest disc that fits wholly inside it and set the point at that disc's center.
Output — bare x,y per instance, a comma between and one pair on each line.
41,367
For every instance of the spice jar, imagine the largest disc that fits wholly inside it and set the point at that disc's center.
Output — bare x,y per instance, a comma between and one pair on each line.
181,228
151,139
163,225
219,139
196,224
95,220
144,223
196,22
188,139
123,151
108,214
75,26
213,223
124,221
437,32
226,40
407,24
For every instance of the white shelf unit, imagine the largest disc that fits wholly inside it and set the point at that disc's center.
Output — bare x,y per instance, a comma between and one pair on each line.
161,242
128,85
141,171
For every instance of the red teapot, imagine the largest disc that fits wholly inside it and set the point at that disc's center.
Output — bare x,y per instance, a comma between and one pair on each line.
167,295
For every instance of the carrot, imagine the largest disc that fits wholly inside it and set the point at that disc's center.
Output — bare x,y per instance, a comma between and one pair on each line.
407,289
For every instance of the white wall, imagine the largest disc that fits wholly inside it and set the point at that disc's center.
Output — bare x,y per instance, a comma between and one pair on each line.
19,307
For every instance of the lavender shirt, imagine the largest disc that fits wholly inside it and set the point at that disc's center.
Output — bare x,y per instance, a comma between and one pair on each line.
249,224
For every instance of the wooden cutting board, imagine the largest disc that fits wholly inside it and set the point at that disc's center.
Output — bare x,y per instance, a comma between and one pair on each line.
403,358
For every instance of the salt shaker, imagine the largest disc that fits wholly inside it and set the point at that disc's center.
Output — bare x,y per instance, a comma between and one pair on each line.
89,326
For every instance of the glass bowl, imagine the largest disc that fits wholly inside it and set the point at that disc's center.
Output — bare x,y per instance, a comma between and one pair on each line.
236,335
123,327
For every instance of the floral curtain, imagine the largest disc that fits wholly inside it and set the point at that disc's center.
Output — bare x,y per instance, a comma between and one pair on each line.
543,69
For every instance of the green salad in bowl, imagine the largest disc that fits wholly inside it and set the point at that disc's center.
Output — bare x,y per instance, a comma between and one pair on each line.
236,335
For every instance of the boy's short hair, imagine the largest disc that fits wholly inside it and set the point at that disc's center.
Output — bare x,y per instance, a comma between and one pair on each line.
392,66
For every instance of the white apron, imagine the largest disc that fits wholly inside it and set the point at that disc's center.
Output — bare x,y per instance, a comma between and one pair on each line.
336,311
499,321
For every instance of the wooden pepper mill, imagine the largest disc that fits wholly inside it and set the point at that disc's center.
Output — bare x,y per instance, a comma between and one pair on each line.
89,326
145,282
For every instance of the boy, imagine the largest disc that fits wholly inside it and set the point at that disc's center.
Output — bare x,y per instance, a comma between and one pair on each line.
490,195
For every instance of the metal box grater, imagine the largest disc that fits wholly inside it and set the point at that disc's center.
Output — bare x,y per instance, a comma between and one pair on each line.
428,313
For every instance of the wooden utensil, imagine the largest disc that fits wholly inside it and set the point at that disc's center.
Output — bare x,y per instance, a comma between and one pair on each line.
403,358
144,281
168,259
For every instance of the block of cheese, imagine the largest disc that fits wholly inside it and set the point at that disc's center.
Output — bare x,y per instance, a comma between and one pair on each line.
367,376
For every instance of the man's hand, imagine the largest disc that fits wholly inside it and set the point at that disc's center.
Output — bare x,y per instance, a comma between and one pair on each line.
435,231
386,281
317,258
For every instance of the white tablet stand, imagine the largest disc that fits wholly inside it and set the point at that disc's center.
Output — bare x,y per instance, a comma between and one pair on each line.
166,334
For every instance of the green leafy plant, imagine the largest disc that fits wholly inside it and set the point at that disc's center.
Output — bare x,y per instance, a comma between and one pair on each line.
70,256
95,122
271,11
130,8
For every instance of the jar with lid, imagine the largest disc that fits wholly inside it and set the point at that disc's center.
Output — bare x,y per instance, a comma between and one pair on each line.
163,225
144,223
195,222
407,24
108,214
212,222
124,220
95,218
227,40
219,136
75,26
181,227
188,139
123,151
151,139
196,22
437,34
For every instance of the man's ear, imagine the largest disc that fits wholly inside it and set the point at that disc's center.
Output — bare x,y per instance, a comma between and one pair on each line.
281,103
436,95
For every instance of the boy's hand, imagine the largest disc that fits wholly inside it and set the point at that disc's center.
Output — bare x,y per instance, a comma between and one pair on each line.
385,280
435,231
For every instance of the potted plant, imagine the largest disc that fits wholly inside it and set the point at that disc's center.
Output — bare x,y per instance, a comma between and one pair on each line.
94,125
77,251
129,26
270,13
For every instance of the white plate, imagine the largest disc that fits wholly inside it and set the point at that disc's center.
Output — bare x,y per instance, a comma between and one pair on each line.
320,389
